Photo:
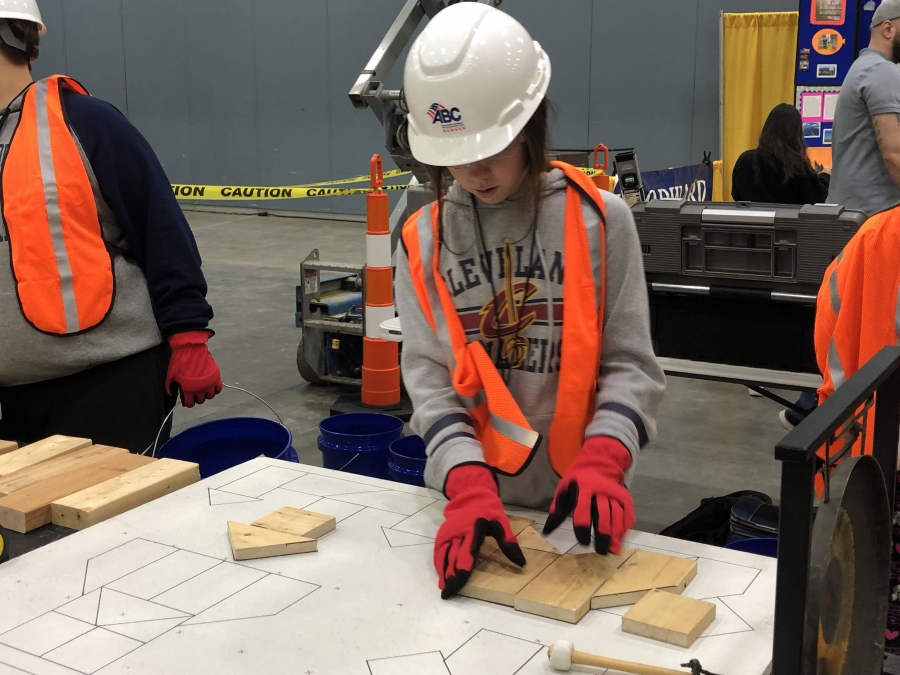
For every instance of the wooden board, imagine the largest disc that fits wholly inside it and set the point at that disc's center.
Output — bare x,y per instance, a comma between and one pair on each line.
669,618
530,538
120,494
249,542
8,446
40,452
36,473
490,547
498,580
28,508
643,572
298,522
563,591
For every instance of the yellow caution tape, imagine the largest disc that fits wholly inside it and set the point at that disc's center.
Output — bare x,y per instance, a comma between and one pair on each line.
262,193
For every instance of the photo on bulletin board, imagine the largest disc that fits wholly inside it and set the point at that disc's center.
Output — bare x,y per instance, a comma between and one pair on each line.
828,12
826,136
812,130
827,41
826,71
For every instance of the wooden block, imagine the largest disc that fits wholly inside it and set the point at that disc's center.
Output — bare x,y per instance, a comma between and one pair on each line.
36,473
120,494
298,522
8,446
563,591
643,572
28,508
40,452
531,539
669,618
490,547
498,580
249,542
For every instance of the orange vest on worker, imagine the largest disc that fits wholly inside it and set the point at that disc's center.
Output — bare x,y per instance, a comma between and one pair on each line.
62,266
858,306
508,441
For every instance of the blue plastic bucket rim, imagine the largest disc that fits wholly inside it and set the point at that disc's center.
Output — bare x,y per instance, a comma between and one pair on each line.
405,472
406,440
388,424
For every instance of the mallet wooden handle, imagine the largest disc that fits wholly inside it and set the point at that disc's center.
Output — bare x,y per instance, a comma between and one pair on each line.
585,659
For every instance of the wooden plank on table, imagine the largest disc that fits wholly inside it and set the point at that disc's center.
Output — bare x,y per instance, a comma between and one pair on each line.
40,452
498,580
299,522
29,508
490,547
36,473
531,539
669,618
120,494
643,572
249,542
8,446
563,591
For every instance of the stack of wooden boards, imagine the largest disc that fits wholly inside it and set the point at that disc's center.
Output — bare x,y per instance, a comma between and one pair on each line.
282,532
565,587
76,484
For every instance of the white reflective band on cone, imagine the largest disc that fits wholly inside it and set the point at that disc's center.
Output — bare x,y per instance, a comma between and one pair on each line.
375,316
378,250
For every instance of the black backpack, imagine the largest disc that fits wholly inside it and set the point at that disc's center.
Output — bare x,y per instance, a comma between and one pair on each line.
711,522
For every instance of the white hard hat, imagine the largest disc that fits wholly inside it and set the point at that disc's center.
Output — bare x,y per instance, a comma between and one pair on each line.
473,79
26,10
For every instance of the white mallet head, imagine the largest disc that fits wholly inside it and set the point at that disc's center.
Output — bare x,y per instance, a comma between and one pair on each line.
561,655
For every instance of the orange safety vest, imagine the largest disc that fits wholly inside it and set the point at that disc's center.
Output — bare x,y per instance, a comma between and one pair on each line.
61,264
508,441
857,311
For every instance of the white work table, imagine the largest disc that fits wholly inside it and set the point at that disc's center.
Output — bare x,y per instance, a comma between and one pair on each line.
156,590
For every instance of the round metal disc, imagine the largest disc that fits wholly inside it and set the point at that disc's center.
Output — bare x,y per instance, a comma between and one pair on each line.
849,576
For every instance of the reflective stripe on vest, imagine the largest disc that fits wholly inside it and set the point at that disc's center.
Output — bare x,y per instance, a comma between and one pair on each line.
62,267
508,441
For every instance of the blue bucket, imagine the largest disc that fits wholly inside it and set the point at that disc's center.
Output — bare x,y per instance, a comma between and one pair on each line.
222,444
767,546
358,442
407,464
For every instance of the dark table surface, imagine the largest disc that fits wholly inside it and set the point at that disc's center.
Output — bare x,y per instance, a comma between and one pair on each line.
20,544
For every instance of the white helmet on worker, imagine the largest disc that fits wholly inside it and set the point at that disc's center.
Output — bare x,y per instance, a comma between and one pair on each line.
473,79
26,10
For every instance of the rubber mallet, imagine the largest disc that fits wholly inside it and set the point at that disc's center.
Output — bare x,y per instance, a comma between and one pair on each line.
563,656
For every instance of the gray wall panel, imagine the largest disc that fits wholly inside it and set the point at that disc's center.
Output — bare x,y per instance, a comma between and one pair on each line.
93,36
224,145
642,87
564,31
158,101
250,92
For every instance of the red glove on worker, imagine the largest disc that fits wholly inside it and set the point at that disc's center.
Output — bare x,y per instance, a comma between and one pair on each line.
473,512
192,368
593,491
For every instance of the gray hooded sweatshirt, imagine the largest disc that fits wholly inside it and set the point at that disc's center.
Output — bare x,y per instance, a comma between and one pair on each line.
630,382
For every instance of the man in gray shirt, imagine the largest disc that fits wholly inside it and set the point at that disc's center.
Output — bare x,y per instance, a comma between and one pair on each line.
866,168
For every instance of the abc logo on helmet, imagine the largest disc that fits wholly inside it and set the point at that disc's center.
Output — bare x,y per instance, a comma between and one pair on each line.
450,119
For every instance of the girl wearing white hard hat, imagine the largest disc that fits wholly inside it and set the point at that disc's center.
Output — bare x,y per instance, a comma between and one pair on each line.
521,291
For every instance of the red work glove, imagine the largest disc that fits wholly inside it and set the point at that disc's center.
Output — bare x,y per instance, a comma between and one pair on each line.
473,512
192,368
593,491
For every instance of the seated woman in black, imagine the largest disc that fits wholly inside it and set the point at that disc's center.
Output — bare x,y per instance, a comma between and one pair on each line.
778,171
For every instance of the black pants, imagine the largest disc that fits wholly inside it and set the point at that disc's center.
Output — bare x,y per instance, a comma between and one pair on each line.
121,404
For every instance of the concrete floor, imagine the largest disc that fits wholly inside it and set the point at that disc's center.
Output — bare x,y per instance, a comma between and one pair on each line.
713,438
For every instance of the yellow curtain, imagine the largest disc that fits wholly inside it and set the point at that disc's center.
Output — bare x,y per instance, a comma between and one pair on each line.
759,52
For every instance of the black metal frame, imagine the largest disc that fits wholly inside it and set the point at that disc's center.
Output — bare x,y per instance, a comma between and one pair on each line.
797,452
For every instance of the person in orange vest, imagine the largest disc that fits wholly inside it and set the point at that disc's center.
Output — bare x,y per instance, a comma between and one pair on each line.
103,314
858,313
521,291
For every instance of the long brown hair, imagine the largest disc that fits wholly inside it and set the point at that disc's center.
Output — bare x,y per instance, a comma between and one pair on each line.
781,144
536,140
